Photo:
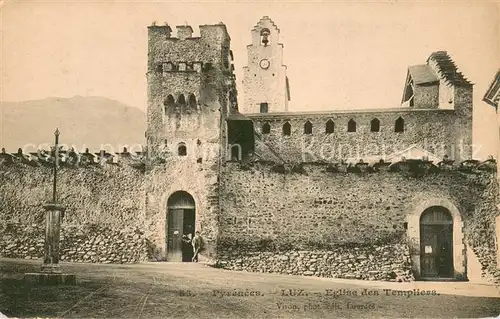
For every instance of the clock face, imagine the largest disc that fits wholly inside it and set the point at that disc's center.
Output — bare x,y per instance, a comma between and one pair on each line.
264,64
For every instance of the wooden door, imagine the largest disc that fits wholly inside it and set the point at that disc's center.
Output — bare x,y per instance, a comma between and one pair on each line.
428,250
445,253
174,234
436,243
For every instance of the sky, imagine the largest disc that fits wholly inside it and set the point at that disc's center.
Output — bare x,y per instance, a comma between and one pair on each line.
339,55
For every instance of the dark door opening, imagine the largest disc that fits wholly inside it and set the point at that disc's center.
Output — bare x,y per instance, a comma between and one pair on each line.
436,243
188,234
180,227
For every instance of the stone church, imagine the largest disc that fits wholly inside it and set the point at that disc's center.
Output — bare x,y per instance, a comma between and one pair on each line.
376,194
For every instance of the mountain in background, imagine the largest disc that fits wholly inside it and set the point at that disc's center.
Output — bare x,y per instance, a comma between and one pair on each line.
83,122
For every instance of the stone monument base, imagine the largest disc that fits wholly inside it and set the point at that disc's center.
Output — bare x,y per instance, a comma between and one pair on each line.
47,278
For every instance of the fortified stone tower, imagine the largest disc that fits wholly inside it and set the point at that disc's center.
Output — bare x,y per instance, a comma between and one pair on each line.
265,82
191,90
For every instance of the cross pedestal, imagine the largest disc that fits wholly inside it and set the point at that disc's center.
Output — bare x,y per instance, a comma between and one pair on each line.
51,273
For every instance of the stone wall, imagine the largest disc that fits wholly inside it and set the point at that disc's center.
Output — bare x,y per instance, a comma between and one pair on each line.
462,100
90,243
428,129
338,208
480,230
268,208
426,96
309,220
103,221
388,262
109,194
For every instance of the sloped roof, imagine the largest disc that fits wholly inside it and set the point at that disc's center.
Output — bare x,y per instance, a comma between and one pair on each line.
448,68
492,96
422,74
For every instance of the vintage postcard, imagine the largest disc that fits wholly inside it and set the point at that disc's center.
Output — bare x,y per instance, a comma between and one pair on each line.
224,159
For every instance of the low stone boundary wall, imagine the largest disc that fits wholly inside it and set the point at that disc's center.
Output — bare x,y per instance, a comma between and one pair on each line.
383,263
88,243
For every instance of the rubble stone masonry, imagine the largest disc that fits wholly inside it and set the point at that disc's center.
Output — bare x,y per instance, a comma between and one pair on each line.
311,221
342,216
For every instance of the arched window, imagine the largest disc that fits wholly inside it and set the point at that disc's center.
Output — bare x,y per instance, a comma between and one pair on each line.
375,125
266,128
330,127
351,126
399,126
192,102
287,129
181,149
181,102
169,104
308,128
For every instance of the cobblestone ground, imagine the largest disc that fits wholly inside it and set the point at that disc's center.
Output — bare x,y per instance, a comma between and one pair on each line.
181,290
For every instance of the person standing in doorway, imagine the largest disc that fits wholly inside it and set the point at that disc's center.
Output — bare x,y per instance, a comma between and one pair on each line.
187,251
196,242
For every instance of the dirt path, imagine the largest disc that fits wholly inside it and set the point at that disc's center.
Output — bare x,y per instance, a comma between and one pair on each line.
182,290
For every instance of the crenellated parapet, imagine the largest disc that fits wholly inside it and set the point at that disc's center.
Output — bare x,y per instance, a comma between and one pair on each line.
186,53
71,158
409,167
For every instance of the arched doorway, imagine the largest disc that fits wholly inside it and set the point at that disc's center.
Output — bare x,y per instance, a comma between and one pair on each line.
181,215
436,243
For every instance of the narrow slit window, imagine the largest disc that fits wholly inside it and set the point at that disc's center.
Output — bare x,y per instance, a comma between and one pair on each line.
192,101
330,127
308,128
266,128
169,104
399,126
351,126
181,149
287,129
375,125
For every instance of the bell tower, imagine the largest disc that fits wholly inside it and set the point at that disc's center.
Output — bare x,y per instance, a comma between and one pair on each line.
265,83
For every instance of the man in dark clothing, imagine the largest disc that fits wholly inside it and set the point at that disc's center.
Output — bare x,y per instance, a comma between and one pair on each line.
196,242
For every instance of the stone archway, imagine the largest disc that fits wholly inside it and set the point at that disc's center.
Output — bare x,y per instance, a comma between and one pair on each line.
180,221
414,234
